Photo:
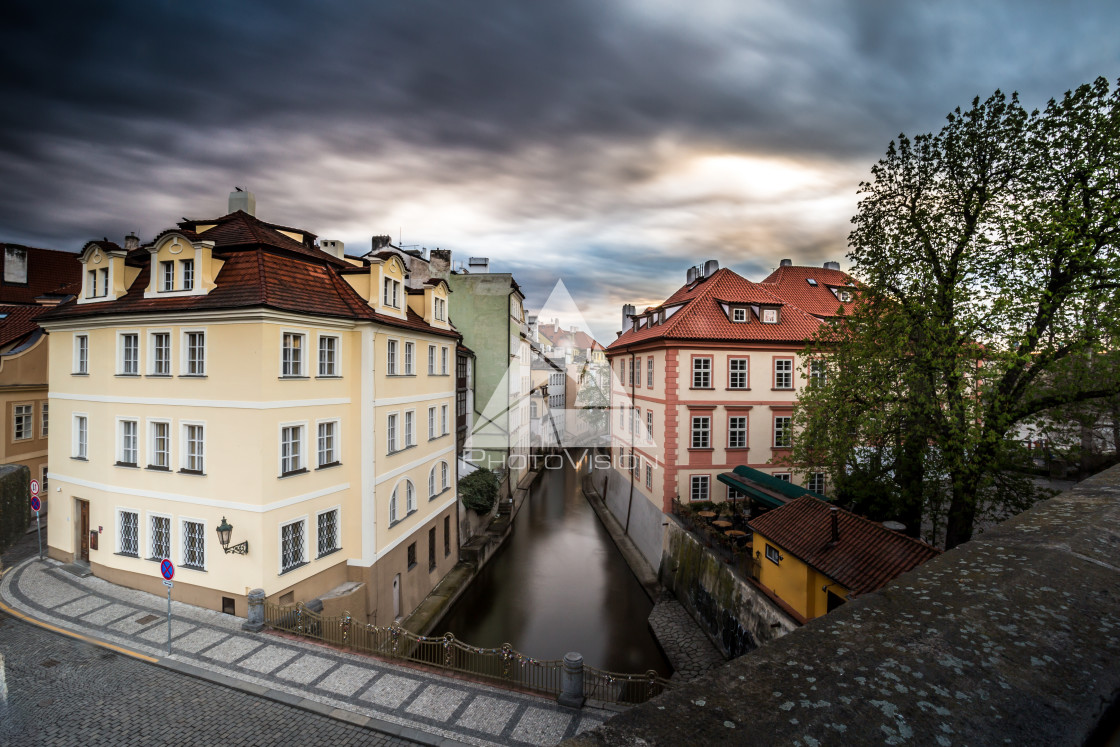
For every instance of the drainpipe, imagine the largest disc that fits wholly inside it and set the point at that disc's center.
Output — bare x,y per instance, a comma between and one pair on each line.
630,503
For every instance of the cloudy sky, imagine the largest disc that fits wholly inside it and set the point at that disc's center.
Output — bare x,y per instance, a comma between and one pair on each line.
611,144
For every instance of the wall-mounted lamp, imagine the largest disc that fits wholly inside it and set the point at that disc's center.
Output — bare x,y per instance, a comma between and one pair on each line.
224,531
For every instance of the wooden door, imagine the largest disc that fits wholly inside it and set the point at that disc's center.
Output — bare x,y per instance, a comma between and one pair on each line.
83,530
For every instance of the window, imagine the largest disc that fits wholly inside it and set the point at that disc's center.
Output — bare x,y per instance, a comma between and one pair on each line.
649,373
160,446
737,432
393,507
409,356
431,549
128,443
161,354
194,447
701,373
444,476
409,435
649,424
845,296
783,476
128,533
773,555
431,360
167,276
699,487
818,373
446,536
80,428
159,532
783,373
783,431
187,266
737,373
194,545
769,316
738,315
443,361
130,354
23,422
291,357
701,431
291,438
392,293
196,353
391,433
391,357
432,423
441,309
649,476
81,354
412,556
326,536
292,552
443,420
816,482
409,496
328,356
432,483
327,444
43,419
103,277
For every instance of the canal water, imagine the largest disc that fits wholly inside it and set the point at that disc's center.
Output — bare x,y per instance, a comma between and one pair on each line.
559,584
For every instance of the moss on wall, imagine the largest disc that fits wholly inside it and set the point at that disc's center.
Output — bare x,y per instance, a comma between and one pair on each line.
15,503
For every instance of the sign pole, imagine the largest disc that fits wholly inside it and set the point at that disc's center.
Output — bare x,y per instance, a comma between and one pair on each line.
36,504
169,621
167,570
39,531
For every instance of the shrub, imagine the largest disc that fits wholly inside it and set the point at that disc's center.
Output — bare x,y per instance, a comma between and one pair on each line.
15,503
479,490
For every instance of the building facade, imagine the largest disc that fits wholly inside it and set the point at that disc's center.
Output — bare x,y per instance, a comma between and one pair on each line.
239,372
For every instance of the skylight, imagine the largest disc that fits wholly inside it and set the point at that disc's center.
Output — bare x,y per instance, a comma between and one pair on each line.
811,282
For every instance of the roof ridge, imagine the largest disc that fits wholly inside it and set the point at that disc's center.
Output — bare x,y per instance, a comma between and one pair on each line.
261,275
704,293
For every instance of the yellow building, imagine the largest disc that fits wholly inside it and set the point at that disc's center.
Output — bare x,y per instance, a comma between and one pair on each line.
240,372
814,556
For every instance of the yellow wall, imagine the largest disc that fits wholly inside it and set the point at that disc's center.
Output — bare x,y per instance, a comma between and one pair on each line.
796,583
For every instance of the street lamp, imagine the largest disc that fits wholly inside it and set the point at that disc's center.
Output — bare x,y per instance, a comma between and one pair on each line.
224,531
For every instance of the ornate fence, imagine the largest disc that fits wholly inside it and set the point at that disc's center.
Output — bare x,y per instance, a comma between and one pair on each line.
501,665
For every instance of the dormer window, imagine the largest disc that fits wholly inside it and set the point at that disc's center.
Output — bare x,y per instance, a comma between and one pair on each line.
187,267
769,316
392,293
845,296
98,286
441,309
167,276
739,315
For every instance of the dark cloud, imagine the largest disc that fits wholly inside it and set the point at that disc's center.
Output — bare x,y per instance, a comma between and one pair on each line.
565,131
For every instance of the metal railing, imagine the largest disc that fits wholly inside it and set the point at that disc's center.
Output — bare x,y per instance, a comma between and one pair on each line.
738,553
502,665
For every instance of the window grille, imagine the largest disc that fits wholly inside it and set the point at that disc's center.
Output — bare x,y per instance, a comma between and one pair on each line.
291,546
161,537
130,533
194,545
327,537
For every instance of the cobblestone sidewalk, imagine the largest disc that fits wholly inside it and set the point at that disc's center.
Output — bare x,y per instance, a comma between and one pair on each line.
413,704
688,649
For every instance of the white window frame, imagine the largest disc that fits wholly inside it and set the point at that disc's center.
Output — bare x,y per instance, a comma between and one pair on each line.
700,480
649,424
392,432
153,349
335,367
293,358
185,347
773,554
649,372
183,521
818,372
649,475
81,355
184,446
444,475
120,512
703,430
121,450
786,440
733,430
409,358
152,449
816,482
122,353
151,538
336,451
701,371
392,356
784,477
186,274
739,315
337,545
79,435
394,506
166,280
432,492
301,445
770,316
431,423
732,373
410,504
781,374
44,414
303,557
30,421
408,430
431,360
443,364
444,419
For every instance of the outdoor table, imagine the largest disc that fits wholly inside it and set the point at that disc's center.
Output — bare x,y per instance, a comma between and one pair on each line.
735,533
707,514
721,524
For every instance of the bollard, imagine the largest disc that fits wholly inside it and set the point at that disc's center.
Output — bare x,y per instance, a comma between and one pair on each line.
571,681
255,623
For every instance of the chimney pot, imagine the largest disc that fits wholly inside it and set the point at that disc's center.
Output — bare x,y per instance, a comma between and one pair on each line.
240,199
132,241
832,265
787,263
835,513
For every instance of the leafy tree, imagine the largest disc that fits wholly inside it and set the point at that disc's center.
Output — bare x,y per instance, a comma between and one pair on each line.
479,490
990,268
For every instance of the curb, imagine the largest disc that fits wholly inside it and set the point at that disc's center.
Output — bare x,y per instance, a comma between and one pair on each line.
333,712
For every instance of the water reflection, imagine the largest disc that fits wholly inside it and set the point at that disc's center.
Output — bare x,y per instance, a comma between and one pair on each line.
560,585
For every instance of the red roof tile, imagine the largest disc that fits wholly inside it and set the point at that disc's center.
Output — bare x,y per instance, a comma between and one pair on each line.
49,272
867,557
792,284
18,322
703,318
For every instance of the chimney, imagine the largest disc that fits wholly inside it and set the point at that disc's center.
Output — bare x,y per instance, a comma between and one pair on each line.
479,264
239,199
627,312
835,513
379,242
789,263
832,265
132,241
710,267
333,247
440,260
691,275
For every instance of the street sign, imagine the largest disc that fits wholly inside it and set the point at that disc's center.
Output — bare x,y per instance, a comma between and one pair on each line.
34,487
167,569
36,504
168,584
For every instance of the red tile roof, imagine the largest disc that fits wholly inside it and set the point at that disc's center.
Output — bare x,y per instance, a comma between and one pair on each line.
558,336
867,557
18,322
49,272
792,284
703,318
263,268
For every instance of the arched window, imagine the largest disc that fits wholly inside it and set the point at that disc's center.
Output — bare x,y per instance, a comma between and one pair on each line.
393,507
444,474
432,483
410,496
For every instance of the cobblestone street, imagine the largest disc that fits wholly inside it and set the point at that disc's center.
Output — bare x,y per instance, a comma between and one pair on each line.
58,691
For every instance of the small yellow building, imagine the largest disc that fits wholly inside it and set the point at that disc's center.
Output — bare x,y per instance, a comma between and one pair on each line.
241,373
814,556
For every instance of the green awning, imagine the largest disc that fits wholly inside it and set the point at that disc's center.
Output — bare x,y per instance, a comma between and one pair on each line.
763,488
